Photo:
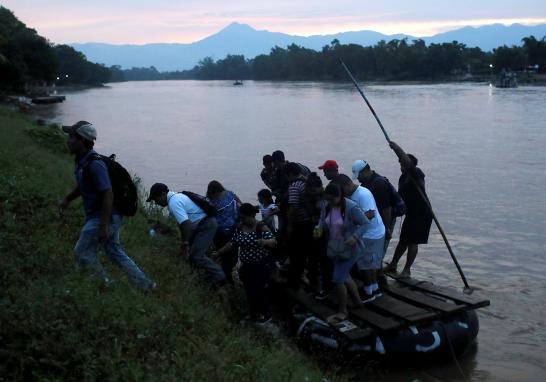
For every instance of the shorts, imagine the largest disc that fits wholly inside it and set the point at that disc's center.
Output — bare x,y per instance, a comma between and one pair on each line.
372,257
415,229
342,269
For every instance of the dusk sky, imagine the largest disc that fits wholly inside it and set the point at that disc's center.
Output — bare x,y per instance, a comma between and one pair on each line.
146,21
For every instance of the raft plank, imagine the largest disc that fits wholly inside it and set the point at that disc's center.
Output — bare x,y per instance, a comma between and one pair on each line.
377,320
474,301
374,319
422,299
347,328
402,309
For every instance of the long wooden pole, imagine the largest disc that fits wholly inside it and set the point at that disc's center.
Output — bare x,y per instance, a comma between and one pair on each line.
467,288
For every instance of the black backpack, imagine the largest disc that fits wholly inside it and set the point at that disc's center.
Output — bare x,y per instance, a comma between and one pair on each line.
123,187
202,203
304,170
398,205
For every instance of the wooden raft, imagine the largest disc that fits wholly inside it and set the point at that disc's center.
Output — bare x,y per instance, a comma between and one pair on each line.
404,302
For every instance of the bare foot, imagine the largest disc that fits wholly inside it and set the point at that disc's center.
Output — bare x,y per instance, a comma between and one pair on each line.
336,318
390,268
405,274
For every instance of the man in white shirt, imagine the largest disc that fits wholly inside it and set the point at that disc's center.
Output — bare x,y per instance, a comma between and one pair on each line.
196,229
370,261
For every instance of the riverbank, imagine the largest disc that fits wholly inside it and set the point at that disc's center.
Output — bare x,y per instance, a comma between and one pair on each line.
57,324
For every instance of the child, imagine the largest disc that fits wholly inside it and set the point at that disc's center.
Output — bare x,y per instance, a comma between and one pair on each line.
253,239
268,209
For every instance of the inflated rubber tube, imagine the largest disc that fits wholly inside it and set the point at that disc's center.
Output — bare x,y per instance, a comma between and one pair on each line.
434,340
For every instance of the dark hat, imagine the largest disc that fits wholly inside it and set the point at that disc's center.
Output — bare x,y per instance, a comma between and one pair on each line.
156,190
248,209
82,128
329,164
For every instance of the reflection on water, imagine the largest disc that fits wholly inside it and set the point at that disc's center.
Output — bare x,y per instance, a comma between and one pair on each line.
481,148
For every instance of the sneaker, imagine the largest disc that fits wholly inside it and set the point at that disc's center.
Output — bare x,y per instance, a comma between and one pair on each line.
262,320
320,296
377,293
368,298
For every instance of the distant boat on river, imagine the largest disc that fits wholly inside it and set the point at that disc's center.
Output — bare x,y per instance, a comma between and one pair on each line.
507,79
48,99
238,83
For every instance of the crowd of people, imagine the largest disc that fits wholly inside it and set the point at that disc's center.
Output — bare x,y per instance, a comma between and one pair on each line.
321,236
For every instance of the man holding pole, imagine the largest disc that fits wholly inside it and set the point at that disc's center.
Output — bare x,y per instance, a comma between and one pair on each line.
416,226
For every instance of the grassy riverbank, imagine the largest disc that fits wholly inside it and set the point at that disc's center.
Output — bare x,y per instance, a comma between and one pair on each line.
57,324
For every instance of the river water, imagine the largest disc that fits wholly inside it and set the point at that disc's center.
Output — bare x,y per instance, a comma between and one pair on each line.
482,149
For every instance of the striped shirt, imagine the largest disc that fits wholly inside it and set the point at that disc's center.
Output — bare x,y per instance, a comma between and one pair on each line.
295,199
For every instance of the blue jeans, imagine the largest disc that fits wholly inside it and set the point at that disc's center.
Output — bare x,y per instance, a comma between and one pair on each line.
88,245
202,236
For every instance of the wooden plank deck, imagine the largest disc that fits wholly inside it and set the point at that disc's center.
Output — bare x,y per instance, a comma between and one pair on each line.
416,297
398,308
347,328
472,301
404,302
373,319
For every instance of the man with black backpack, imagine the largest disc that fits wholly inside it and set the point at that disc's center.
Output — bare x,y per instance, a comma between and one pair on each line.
389,203
197,224
103,216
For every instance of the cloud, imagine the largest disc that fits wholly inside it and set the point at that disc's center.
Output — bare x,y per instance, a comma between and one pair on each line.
142,21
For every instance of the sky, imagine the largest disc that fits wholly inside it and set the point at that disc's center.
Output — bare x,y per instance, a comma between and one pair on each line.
185,21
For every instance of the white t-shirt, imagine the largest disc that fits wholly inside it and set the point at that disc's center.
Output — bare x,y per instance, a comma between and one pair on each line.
182,208
270,220
364,199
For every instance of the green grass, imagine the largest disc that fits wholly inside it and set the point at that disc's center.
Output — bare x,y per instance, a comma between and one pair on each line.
57,324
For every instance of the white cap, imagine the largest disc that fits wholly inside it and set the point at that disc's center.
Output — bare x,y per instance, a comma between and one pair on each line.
358,166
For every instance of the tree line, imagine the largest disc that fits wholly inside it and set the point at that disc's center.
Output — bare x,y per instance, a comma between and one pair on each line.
396,60
28,59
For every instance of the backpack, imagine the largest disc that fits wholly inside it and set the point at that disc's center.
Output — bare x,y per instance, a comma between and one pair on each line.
398,205
304,170
202,203
123,187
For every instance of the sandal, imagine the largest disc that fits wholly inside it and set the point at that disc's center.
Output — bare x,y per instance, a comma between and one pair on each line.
337,318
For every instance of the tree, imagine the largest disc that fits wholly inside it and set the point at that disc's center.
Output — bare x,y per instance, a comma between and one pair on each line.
26,56
535,51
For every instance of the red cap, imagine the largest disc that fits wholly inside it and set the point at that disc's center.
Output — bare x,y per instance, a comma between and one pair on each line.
330,163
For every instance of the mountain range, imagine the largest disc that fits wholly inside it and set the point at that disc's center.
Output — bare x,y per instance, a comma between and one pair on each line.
242,39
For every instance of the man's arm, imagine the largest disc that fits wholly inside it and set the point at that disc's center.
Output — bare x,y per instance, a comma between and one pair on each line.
185,234
105,214
68,198
386,216
401,154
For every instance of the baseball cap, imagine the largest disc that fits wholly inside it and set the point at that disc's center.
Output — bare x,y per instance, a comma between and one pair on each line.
330,163
358,166
83,128
156,190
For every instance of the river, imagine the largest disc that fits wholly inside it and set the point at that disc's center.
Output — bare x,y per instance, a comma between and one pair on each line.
482,149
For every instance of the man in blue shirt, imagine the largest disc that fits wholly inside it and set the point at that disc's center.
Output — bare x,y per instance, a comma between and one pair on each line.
102,221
